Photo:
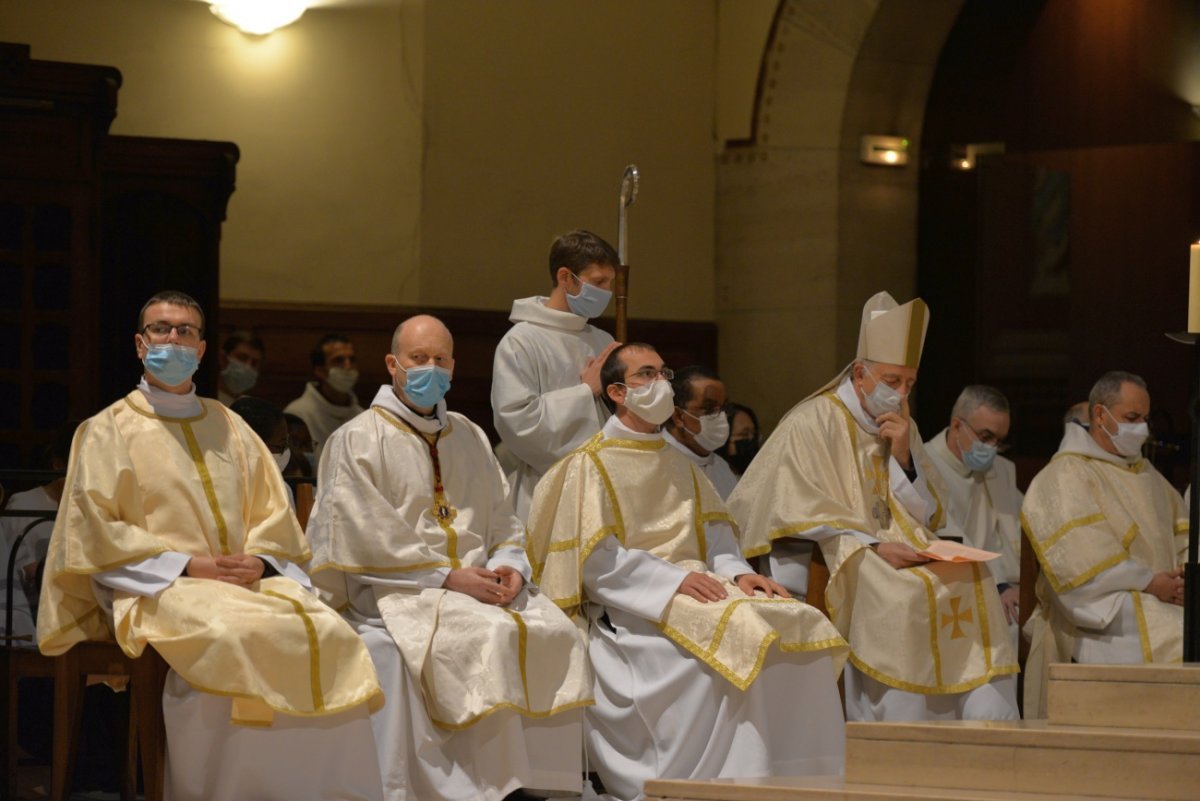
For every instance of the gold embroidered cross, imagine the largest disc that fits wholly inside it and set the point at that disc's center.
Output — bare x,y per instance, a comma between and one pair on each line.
965,616
877,475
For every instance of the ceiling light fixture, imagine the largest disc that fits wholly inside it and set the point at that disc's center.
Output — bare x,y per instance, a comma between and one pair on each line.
259,17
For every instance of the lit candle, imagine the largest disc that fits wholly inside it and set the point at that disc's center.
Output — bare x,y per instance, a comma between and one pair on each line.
1194,292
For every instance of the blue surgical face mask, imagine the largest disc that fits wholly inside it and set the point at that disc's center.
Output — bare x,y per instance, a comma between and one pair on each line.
171,364
426,385
591,300
979,457
239,377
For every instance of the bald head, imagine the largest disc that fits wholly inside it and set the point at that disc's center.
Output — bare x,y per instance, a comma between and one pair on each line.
422,329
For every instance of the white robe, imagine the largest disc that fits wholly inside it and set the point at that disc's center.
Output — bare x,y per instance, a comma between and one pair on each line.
501,751
661,712
987,507
539,406
715,469
321,416
33,549
210,758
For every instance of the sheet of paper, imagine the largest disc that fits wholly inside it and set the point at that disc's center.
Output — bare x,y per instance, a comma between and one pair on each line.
947,551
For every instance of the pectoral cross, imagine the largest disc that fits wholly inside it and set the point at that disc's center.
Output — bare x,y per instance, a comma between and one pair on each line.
964,616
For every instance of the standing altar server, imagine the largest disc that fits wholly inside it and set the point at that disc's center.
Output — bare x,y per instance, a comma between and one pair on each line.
546,372
414,538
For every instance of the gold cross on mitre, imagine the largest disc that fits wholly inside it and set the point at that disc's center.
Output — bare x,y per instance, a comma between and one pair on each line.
965,616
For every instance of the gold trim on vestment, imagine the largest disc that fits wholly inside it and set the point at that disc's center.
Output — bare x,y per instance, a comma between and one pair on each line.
1057,585
962,687
1137,467
916,543
118,563
701,540
1071,525
1143,629
522,650
1130,536
985,633
210,492
314,649
77,623
931,598
796,528
505,544
332,710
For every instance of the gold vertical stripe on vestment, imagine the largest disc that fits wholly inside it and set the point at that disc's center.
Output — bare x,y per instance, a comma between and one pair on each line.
985,632
1143,629
314,650
522,651
701,542
210,491
931,598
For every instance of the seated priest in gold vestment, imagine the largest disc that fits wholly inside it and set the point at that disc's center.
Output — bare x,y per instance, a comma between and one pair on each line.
174,531
702,668
846,470
416,541
1111,539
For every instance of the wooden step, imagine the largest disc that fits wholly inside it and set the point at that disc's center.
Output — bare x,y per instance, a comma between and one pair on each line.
827,788
1026,757
1132,696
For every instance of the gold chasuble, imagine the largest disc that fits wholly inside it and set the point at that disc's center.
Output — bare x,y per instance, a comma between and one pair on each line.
935,628
139,485
651,497
1089,511
397,502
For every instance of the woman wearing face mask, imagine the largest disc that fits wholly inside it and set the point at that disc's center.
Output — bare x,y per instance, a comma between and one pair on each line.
1110,534
743,442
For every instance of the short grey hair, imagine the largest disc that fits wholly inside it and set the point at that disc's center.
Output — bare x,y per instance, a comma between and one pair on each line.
1107,390
977,395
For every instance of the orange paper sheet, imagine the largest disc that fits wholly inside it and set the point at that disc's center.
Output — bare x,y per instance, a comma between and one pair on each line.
947,551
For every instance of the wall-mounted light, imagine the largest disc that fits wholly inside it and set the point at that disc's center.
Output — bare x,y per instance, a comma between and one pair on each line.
890,151
259,17
965,157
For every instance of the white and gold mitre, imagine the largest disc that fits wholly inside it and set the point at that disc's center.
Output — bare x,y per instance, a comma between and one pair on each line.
891,333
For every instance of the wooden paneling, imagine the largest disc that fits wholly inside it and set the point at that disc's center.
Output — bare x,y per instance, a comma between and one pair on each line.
290,331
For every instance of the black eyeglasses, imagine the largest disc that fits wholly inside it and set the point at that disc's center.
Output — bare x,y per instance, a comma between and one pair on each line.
163,330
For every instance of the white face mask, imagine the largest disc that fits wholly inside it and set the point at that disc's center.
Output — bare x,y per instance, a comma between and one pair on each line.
653,402
714,429
341,379
283,459
883,399
1129,437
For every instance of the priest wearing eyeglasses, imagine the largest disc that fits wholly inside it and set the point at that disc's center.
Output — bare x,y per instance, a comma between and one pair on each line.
175,532
703,668
982,497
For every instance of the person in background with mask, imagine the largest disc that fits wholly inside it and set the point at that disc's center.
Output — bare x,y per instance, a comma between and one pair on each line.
698,427
846,470
546,373
982,497
174,532
328,401
413,536
743,443
1111,538
240,360
267,421
688,684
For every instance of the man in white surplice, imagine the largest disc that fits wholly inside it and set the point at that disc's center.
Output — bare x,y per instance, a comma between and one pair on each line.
415,539
981,486
546,373
703,669
174,531
699,427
